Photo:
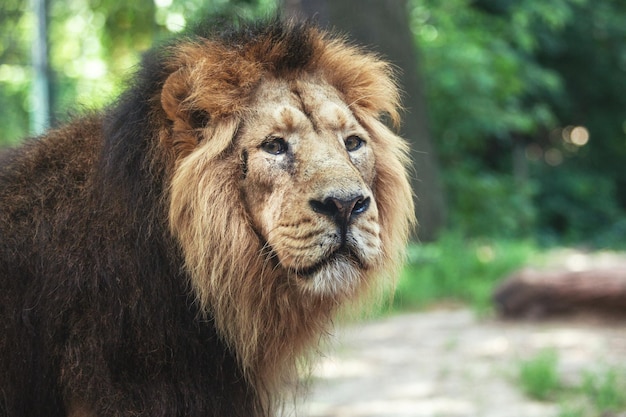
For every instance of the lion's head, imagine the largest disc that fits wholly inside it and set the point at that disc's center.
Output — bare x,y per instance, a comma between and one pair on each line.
288,194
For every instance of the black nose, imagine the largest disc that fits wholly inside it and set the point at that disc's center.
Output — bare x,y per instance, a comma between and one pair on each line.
342,211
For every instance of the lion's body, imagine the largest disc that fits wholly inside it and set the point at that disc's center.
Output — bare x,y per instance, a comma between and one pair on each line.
176,254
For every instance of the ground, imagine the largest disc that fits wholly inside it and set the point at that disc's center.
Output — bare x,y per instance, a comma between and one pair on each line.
449,363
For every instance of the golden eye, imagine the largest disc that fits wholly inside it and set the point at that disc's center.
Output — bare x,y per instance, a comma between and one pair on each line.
274,145
353,142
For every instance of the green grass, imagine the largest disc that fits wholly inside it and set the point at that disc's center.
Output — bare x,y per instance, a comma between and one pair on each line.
601,392
539,375
458,270
606,390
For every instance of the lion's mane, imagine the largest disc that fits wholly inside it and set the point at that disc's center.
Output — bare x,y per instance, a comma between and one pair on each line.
131,281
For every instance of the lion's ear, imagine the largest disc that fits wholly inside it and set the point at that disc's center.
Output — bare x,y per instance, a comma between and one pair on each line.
174,100
174,91
188,121
191,123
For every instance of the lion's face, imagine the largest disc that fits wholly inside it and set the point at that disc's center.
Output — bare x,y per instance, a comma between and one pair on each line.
308,168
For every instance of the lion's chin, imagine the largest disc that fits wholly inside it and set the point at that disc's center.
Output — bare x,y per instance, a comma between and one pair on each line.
336,274
343,255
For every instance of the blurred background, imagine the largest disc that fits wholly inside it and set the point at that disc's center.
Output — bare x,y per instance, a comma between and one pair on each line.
516,111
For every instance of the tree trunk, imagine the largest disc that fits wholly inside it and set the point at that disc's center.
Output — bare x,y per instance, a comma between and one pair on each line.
384,26
40,118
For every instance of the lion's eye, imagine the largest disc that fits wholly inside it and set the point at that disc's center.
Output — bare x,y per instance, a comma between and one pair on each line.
353,142
275,146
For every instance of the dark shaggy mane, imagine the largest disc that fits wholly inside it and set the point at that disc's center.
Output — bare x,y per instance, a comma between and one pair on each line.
127,163
296,40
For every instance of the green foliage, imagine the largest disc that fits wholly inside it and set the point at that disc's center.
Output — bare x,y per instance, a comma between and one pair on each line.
487,204
591,58
508,76
539,376
482,84
579,206
479,73
93,47
458,270
14,70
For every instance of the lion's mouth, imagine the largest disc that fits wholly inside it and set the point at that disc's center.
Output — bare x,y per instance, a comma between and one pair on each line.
343,254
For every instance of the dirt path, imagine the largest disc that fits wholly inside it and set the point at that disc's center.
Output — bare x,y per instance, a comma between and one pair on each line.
449,364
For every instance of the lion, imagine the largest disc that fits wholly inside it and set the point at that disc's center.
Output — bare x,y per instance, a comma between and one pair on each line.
180,252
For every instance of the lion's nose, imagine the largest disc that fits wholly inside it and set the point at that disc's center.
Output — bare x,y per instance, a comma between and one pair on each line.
342,211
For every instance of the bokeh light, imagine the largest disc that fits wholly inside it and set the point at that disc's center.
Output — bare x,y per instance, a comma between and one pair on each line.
575,135
579,136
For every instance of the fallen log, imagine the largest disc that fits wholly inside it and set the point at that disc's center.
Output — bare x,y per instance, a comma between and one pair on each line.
532,293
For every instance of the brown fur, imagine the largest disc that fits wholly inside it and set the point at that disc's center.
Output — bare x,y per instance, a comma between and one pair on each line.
198,200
